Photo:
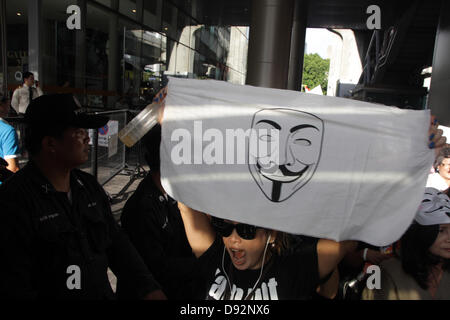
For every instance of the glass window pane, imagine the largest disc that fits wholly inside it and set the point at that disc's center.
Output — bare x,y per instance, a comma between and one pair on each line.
132,63
17,42
97,41
153,65
60,58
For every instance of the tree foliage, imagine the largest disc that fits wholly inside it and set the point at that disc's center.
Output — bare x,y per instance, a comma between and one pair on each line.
315,71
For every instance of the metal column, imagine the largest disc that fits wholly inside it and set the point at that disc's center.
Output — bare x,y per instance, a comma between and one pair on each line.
440,81
269,43
297,46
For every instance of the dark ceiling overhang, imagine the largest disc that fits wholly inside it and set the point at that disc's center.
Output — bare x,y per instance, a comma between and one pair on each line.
348,14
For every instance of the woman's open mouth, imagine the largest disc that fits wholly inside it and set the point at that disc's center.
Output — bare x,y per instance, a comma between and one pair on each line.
237,256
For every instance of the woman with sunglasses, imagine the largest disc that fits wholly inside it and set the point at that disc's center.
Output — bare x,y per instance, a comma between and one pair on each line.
242,262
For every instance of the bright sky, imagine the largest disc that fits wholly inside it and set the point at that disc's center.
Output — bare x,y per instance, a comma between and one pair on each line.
318,40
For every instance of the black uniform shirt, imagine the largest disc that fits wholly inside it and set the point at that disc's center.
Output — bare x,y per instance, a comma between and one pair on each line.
154,225
45,238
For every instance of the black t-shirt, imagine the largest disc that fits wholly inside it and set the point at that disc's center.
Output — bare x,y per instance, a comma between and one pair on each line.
291,277
154,225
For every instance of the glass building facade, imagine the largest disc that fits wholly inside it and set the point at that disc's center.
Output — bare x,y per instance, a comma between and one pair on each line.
122,53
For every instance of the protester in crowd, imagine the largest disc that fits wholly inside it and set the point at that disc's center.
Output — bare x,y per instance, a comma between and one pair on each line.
422,268
259,265
242,261
9,142
23,95
353,267
58,235
440,179
153,222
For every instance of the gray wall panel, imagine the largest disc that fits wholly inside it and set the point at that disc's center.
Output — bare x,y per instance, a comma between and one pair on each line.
439,98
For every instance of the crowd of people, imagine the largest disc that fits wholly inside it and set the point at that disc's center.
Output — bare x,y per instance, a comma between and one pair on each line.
59,237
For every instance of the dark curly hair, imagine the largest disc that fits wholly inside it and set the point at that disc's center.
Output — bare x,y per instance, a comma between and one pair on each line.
280,244
417,260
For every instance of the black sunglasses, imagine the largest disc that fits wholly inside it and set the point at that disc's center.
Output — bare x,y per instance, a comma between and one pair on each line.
225,229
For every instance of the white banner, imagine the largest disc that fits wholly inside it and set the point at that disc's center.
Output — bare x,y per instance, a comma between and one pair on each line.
306,164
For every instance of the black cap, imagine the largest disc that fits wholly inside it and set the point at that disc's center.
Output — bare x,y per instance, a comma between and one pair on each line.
62,110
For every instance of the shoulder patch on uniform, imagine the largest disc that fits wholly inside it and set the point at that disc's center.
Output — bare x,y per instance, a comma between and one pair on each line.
48,217
92,204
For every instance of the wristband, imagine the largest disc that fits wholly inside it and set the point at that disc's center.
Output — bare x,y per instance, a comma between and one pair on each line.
365,254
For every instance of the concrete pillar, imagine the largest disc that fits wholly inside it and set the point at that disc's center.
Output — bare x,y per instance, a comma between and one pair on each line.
269,43
440,80
297,45
35,38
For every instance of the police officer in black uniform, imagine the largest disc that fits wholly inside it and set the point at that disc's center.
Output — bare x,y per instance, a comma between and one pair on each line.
58,235
152,220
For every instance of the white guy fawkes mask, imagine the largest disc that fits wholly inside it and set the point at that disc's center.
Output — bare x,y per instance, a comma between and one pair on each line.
284,150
